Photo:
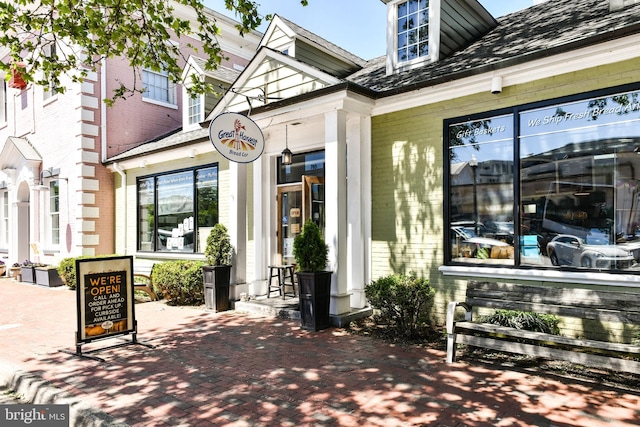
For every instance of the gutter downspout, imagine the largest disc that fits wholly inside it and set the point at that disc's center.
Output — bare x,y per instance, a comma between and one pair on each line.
103,108
123,177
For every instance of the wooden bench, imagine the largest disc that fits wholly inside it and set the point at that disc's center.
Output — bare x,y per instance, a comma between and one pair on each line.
143,282
593,305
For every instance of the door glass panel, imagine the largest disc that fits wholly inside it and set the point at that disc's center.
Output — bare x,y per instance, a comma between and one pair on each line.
313,197
290,220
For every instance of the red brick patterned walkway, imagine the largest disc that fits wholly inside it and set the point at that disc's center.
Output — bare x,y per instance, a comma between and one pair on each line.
241,370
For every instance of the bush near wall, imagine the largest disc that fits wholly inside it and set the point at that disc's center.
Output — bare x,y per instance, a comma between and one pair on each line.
181,282
403,303
67,269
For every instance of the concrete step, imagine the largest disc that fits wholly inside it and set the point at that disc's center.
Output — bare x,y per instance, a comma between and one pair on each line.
271,307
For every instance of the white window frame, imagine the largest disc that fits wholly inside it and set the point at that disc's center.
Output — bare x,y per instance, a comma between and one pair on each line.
54,233
4,234
188,116
149,96
394,64
3,103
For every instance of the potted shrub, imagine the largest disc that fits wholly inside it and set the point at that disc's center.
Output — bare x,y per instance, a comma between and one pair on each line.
217,271
47,275
314,282
27,271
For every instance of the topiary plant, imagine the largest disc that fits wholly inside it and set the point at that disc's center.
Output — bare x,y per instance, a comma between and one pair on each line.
219,249
309,249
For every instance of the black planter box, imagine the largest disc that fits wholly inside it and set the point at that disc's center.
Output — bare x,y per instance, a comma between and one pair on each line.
48,277
216,287
315,295
28,274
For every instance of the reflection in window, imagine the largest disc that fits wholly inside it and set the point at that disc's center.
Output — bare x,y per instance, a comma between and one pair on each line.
413,30
176,211
303,164
580,172
579,195
481,190
194,110
158,87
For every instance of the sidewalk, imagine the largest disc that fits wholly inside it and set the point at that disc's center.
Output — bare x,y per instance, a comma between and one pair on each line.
233,369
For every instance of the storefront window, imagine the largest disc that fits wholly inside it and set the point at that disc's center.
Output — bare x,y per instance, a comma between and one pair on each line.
177,210
481,196
576,192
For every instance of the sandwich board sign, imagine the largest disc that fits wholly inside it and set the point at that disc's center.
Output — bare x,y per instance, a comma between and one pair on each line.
105,300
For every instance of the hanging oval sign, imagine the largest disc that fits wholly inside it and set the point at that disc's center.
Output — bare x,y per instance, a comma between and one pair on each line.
236,137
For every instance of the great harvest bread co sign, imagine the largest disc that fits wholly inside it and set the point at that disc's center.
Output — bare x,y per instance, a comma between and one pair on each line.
236,137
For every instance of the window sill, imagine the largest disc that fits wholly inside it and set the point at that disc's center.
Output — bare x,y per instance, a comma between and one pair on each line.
539,275
161,103
50,100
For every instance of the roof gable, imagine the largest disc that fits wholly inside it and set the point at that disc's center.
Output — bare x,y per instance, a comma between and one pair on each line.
271,76
288,37
16,151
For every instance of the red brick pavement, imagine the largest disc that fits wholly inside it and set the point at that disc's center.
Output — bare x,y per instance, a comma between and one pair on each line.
242,370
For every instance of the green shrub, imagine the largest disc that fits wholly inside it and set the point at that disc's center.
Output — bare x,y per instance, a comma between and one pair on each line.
310,249
404,303
179,281
219,249
67,269
547,323
67,272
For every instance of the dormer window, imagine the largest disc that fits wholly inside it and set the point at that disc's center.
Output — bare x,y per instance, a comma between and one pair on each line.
412,30
194,110
425,31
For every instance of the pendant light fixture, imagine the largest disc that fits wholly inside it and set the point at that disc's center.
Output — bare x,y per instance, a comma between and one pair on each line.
286,153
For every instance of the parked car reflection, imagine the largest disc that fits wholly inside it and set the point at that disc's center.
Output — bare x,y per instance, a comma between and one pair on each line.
591,252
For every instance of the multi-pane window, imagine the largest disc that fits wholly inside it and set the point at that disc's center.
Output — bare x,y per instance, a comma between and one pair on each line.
157,86
194,110
5,217
177,210
54,211
562,192
412,30
3,101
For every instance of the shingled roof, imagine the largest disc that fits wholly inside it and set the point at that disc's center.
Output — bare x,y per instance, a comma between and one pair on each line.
546,29
312,38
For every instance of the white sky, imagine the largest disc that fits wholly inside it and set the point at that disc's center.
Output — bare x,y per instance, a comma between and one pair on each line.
355,25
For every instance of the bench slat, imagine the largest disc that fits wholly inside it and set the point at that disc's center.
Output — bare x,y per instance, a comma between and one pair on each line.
573,297
506,332
559,310
622,365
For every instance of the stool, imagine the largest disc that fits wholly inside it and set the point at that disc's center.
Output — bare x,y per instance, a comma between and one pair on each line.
284,274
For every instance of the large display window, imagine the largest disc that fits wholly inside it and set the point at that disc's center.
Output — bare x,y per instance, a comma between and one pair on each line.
177,210
550,185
